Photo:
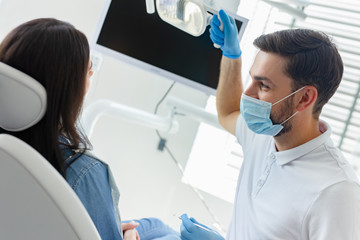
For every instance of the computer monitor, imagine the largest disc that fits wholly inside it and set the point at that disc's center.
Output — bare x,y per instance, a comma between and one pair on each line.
127,32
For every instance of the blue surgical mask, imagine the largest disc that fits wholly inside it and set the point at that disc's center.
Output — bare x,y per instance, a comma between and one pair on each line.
256,114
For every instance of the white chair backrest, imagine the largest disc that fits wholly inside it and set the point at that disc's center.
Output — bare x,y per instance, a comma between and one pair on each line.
22,99
35,200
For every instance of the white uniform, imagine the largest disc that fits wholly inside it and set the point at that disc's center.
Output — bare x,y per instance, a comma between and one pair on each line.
308,192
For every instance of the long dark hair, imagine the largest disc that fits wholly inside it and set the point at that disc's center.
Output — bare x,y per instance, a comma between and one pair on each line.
57,55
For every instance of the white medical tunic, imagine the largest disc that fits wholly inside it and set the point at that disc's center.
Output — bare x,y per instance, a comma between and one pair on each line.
308,192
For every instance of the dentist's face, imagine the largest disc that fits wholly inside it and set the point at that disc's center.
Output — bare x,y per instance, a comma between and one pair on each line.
270,83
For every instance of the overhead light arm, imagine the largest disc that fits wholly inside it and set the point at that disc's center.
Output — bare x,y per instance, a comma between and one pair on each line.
102,107
283,5
300,3
168,124
194,112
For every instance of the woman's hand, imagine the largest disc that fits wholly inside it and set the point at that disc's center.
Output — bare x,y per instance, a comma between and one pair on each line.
129,231
130,234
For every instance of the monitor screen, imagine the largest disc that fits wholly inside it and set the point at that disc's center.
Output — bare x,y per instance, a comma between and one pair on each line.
129,33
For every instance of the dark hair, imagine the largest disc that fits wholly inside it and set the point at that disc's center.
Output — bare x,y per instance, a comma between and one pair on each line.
57,55
313,59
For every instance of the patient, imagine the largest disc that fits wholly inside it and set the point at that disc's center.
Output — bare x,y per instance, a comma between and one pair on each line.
57,55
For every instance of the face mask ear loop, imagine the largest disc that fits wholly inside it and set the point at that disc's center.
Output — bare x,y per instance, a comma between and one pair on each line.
289,95
289,118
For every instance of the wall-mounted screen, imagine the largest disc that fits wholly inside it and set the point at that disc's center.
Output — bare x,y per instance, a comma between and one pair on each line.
128,33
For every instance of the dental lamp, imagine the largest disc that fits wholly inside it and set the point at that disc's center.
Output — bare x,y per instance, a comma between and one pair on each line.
188,15
166,124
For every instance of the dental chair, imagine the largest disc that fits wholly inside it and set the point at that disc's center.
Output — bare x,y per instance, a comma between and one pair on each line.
35,200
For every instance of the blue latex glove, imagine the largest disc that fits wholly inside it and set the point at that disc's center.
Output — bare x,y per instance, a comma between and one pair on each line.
228,38
189,231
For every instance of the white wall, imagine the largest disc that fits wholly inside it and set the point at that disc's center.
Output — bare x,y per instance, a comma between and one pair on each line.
149,181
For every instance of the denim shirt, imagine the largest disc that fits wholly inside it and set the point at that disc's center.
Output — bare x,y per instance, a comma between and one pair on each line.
92,181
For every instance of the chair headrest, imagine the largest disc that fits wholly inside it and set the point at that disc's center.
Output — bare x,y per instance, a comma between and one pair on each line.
22,99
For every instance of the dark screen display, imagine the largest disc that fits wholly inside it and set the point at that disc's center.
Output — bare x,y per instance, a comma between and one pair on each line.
129,30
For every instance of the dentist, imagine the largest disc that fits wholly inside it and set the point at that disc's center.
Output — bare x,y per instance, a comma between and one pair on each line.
294,183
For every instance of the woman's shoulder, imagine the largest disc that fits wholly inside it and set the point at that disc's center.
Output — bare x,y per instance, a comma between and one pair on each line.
82,162
83,165
76,161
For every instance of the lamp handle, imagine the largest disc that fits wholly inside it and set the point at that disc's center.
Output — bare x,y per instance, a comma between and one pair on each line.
221,27
150,6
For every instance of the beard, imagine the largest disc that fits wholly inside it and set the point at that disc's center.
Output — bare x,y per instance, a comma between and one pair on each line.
286,110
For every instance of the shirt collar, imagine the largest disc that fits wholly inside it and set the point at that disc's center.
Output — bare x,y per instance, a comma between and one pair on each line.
284,157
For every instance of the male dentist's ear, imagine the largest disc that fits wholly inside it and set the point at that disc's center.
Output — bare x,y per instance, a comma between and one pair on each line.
307,98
